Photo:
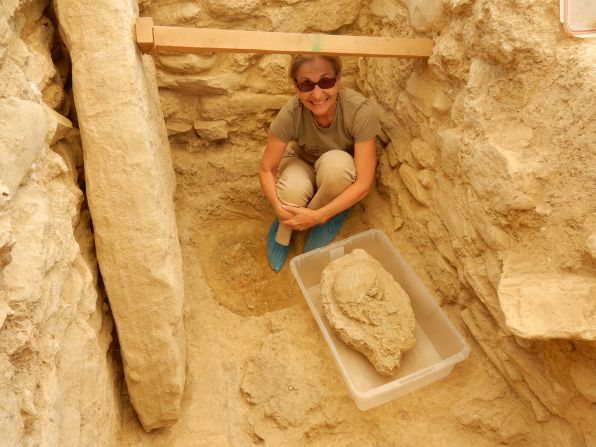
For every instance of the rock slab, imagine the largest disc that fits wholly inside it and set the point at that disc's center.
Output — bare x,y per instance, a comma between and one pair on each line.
130,186
368,309
547,305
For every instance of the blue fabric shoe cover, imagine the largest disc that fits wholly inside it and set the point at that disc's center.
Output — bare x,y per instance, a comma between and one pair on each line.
276,253
321,235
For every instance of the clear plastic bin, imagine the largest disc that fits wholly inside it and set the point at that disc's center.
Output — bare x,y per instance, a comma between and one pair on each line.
438,345
579,17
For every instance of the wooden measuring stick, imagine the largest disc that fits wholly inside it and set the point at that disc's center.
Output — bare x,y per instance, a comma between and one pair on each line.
198,40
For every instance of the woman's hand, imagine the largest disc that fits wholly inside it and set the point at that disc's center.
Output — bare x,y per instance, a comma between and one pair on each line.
282,213
301,218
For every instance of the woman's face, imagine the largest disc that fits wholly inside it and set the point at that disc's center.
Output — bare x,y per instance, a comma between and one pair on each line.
321,102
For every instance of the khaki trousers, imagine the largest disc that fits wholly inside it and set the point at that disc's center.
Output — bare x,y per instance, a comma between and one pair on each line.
301,184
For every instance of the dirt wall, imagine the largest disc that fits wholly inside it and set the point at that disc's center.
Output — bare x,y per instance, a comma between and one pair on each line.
59,381
490,162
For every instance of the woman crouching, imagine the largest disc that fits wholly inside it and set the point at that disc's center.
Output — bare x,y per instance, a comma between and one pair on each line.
320,157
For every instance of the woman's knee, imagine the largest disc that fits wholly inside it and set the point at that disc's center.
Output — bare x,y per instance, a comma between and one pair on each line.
295,188
335,169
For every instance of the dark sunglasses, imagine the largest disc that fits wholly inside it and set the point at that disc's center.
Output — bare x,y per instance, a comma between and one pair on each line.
309,86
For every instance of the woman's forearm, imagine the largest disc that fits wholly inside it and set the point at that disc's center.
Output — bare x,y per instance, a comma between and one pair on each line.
348,198
268,181
272,156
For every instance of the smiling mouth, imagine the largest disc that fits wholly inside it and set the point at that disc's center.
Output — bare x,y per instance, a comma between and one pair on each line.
319,103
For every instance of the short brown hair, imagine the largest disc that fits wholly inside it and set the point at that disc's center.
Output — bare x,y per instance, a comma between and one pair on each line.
299,59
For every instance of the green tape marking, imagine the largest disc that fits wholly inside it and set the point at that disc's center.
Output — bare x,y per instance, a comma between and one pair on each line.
317,43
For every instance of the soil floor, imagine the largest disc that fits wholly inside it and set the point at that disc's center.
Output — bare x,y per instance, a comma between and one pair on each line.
259,372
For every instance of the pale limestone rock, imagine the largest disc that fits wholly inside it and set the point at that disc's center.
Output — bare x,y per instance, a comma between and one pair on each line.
448,52
270,75
494,237
458,6
409,176
22,138
5,311
231,9
178,107
368,309
53,303
175,127
423,153
180,13
590,245
211,130
241,103
475,275
424,14
426,95
385,9
501,177
426,178
185,63
315,16
455,218
450,145
444,276
6,237
45,400
130,184
392,155
582,373
60,126
200,84
441,239
547,305
404,153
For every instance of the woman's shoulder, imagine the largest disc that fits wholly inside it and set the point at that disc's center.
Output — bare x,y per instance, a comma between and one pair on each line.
292,104
351,98
359,115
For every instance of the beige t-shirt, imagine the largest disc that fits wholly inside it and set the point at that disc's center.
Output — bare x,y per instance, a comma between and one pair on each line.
355,121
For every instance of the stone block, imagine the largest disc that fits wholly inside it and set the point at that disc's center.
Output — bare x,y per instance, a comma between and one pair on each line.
59,125
22,138
184,12
320,15
241,103
426,178
185,63
425,14
409,176
450,144
590,245
175,127
231,9
130,186
201,84
545,305
211,130
423,153
426,96
501,176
